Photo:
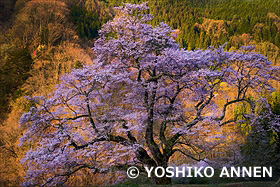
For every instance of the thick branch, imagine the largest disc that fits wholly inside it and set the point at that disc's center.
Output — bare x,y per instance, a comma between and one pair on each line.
190,156
232,102
150,121
144,157
109,137
69,173
90,116
164,123
129,135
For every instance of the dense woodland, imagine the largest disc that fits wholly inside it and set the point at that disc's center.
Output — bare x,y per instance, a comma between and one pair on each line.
40,40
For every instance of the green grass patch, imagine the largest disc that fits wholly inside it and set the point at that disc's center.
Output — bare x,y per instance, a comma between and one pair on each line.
139,183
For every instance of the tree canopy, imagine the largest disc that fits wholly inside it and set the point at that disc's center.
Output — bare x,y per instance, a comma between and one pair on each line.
139,103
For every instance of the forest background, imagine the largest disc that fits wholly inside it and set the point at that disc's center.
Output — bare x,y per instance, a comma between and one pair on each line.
40,40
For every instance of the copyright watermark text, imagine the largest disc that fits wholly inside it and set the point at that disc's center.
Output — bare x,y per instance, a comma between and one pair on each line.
132,172
257,171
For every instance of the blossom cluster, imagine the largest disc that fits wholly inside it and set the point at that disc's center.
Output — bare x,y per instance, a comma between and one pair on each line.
105,115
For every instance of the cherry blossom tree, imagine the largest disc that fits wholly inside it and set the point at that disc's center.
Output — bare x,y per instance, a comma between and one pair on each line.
138,103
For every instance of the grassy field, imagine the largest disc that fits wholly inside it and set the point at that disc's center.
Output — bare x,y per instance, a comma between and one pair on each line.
238,184
143,181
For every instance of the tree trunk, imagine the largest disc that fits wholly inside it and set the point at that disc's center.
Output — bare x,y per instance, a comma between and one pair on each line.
144,157
162,181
